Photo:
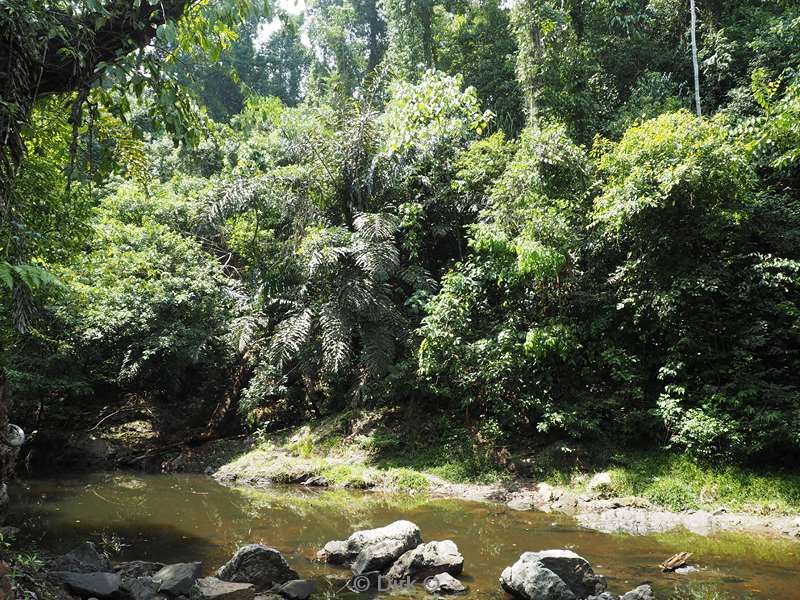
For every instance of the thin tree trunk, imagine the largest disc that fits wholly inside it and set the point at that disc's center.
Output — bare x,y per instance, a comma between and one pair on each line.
694,60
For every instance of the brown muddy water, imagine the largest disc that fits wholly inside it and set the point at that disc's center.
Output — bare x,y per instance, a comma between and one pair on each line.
174,518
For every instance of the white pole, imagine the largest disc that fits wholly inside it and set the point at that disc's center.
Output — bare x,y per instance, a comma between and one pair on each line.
694,60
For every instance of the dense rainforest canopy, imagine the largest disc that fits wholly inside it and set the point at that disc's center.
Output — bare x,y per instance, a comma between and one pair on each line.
508,215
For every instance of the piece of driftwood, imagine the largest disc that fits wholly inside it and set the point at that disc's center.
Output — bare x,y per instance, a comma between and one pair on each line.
675,562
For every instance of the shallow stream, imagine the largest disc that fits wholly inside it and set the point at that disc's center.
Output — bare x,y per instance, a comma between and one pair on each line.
174,518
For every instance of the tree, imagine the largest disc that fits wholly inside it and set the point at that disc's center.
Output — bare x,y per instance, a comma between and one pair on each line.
694,59
62,49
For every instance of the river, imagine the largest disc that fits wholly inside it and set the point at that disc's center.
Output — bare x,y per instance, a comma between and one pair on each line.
174,518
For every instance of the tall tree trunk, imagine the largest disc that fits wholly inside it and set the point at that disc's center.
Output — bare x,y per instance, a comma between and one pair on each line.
377,29
694,60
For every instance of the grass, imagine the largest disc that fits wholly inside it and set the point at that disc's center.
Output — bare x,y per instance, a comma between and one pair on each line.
676,483
378,457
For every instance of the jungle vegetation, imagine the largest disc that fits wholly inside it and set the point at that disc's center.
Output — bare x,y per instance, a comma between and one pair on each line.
509,215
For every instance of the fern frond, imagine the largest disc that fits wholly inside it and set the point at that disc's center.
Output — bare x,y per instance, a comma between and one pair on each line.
336,338
376,226
291,334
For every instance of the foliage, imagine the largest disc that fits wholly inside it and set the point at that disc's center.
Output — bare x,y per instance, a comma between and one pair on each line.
364,208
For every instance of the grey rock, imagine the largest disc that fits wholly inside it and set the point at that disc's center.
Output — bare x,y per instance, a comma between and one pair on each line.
404,531
177,579
574,570
88,585
211,588
529,580
378,557
297,589
83,559
346,552
257,564
643,592
137,568
566,503
428,559
600,483
141,588
700,522
603,596
552,575
521,503
444,583
634,521
334,552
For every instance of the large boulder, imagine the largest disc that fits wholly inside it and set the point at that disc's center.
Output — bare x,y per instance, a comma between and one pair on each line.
574,570
552,575
211,588
378,557
428,559
444,583
405,533
90,585
177,579
529,580
83,559
643,592
259,565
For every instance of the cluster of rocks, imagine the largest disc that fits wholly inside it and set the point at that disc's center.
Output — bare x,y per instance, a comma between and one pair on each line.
395,555
255,572
382,559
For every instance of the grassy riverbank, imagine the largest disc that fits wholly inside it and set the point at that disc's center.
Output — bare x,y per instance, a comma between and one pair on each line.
376,456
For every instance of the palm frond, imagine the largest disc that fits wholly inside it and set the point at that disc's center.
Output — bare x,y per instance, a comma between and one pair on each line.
336,338
292,334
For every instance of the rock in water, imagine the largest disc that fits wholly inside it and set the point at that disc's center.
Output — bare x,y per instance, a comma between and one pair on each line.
428,559
378,557
529,580
297,589
83,559
552,575
90,585
177,579
345,552
257,564
574,570
444,583
643,592
334,552
211,588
